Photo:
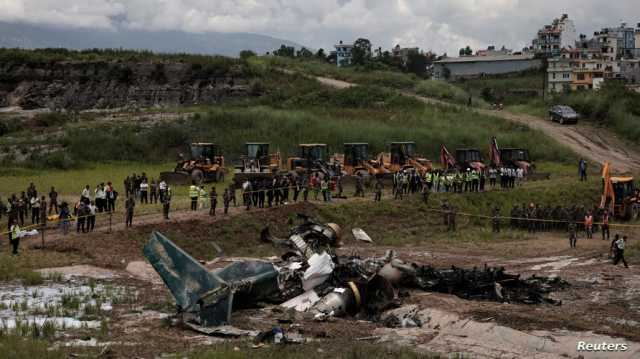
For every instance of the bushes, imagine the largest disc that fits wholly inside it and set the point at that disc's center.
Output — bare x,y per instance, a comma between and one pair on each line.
442,90
126,143
353,97
49,119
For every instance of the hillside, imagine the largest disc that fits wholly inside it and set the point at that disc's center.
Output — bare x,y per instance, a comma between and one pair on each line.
283,109
59,79
27,36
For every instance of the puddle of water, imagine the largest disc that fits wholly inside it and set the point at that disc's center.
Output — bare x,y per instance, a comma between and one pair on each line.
60,304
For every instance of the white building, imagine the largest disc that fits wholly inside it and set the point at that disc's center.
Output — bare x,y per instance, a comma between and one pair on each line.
552,38
478,66
559,72
343,54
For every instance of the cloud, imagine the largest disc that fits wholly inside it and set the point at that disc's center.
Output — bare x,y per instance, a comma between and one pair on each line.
440,25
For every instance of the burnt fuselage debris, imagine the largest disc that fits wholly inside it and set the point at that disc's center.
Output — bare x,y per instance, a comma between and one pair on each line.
310,277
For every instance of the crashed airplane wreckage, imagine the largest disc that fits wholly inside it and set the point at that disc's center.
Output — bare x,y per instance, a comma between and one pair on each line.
310,277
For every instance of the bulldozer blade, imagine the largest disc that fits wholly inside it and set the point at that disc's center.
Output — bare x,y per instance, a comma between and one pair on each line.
175,178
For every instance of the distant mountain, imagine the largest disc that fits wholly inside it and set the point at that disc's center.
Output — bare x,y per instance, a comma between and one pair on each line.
211,43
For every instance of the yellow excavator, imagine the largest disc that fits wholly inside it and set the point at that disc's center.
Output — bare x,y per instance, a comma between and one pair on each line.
619,194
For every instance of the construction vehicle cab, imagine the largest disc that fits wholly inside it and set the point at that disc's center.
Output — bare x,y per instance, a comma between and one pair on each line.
355,154
469,159
257,163
205,164
625,201
311,157
355,160
402,156
516,158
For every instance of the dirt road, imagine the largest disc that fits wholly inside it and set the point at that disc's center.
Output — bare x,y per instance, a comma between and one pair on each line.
597,145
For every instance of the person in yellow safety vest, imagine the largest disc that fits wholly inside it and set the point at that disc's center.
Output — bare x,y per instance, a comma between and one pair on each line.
203,197
428,178
436,182
467,180
475,181
451,181
324,186
193,195
459,180
14,235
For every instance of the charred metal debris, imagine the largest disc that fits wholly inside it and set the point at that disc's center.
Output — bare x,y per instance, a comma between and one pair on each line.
310,277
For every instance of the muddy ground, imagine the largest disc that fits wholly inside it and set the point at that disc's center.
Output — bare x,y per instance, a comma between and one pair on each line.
602,303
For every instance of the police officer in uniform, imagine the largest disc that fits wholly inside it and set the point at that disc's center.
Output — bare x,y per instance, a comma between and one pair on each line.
495,219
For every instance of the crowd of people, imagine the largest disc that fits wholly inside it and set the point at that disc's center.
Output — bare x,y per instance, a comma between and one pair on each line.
283,188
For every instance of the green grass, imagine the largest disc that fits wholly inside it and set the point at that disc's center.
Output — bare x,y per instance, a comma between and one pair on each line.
363,76
344,350
19,347
22,267
447,92
410,222
206,63
71,182
508,89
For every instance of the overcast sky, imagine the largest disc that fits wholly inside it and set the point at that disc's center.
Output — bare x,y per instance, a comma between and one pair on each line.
439,25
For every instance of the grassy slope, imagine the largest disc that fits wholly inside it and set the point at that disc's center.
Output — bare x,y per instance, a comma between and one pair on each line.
386,78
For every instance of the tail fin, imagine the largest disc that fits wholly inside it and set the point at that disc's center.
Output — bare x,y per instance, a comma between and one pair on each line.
187,279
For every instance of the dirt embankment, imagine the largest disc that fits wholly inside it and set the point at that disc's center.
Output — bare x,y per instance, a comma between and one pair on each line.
80,85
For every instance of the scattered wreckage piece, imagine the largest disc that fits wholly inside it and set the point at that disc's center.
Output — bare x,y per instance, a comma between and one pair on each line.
307,238
361,235
490,283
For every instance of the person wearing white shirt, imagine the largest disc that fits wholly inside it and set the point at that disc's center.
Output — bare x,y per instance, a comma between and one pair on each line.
619,253
162,188
101,197
91,216
144,191
86,194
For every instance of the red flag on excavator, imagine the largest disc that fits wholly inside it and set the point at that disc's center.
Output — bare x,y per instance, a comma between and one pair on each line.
494,152
446,159
607,191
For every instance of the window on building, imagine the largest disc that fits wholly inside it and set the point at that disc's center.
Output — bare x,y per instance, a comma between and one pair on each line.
553,75
581,77
566,76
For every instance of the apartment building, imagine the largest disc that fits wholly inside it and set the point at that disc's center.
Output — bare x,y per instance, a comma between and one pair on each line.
561,33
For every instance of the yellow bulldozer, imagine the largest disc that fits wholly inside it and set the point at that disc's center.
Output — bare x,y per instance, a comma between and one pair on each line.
312,157
402,156
258,163
355,160
206,164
